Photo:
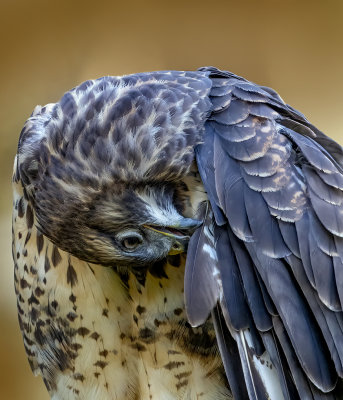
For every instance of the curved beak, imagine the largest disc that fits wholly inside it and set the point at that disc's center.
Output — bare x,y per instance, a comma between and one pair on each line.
180,233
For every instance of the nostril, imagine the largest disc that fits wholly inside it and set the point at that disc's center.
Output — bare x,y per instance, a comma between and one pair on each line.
179,246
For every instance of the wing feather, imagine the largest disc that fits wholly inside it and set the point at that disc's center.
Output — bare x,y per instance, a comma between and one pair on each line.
251,286
278,183
230,356
201,281
233,294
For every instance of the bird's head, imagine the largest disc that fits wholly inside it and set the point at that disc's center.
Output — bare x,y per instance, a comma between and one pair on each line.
103,167
119,225
131,224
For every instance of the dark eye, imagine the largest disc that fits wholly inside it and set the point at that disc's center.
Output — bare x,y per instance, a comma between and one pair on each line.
130,242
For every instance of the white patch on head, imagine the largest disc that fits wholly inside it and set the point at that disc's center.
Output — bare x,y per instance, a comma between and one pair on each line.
166,216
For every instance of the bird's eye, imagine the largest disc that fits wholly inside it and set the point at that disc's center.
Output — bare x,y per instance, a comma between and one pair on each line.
131,241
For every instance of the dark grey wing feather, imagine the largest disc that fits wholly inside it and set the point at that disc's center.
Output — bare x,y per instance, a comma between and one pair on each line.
330,215
302,383
233,294
303,227
277,183
322,314
334,179
290,236
299,323
266,297
338,268
325,281
227,175
206,168
252,290
265,229
321,189
201,281
230,356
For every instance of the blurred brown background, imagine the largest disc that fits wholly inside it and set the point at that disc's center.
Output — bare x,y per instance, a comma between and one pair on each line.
47,47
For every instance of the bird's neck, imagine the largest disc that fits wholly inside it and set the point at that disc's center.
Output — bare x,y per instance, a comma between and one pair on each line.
94,336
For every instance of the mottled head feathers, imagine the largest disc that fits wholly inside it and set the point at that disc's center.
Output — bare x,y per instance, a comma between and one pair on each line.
102,143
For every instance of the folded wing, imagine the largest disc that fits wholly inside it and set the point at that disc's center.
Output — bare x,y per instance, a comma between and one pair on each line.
275,185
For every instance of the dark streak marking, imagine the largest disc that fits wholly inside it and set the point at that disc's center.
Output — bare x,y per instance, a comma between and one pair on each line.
174,260
29,217
183,375
95,336
76,346
46,264
39,291
28,236
158,269
21,208
54,304
71,275
33,300
173,352
157,323
72,316
147,335
181,384
55,256
173,364
105,312
83,331
79,377
101,364
34,314
72,298
23,283
138,346
40,242
140,309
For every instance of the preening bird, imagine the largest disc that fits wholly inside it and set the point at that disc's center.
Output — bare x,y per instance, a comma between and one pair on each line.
179,235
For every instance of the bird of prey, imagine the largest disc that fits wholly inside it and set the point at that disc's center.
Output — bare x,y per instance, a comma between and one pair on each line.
179,235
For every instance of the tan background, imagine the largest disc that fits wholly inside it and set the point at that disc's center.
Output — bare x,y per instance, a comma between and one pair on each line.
49,46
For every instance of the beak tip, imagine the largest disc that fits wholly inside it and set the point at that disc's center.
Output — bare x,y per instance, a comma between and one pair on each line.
189,224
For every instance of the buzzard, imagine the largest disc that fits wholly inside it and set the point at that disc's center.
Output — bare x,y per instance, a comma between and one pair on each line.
179,235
